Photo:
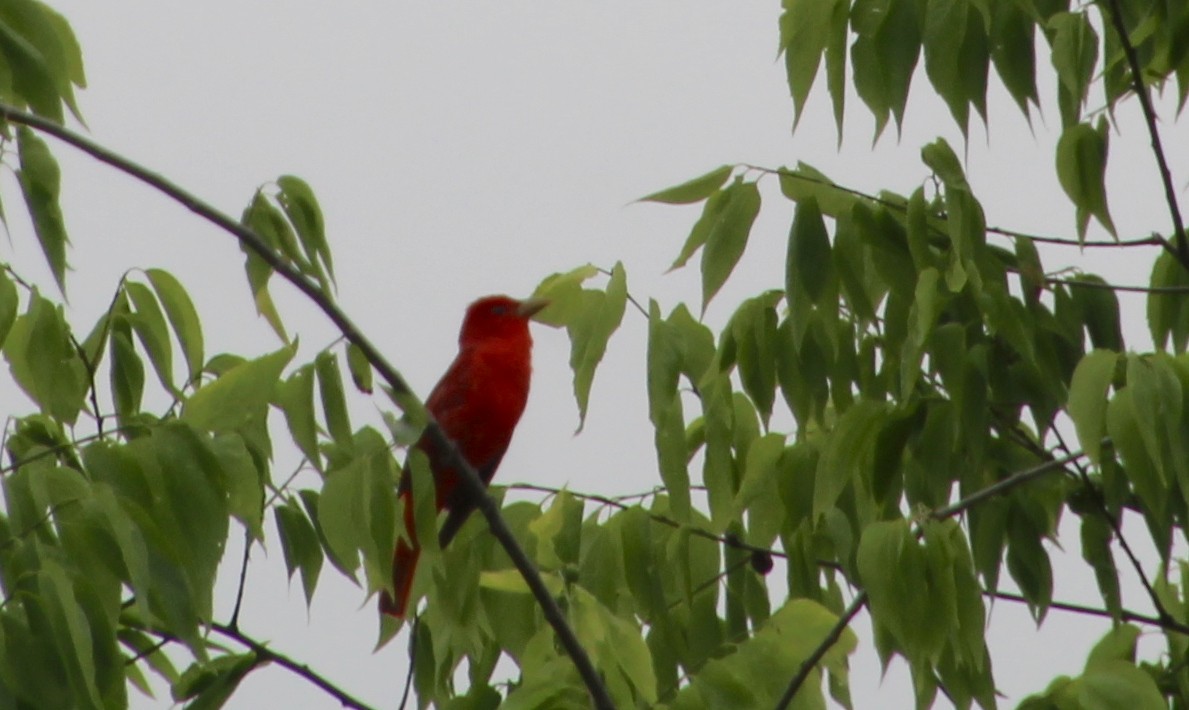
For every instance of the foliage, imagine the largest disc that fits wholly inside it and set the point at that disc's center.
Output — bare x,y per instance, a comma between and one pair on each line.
890,424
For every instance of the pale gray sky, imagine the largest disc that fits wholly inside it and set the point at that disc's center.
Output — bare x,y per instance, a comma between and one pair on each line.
460,149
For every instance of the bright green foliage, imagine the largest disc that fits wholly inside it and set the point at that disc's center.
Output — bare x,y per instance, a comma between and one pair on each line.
882,422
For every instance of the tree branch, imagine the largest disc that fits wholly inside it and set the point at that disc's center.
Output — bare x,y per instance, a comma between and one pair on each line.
1145,102
470,479
1128,615
1016,479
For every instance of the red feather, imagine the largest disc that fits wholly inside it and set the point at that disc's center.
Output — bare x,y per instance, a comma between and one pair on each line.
478,403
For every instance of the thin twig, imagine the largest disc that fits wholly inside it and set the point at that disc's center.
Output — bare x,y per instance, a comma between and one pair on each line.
404,697
1145,102
243,578
312,290
1127,614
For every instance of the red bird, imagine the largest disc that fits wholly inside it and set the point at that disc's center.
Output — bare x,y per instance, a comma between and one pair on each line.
477,403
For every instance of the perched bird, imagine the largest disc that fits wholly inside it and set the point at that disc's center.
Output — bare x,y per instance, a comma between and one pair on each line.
477,403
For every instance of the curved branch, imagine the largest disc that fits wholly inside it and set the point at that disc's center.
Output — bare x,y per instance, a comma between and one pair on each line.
1145,102
470,479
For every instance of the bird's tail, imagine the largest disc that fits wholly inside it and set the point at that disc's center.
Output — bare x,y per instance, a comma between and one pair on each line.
404,564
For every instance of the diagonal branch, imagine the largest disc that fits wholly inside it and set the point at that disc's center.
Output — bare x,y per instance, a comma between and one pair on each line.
1145,102
470,479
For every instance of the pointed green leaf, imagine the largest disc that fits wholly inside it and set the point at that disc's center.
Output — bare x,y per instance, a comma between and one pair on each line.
360,368
727,237
694,190
299,543
149,323
334,402
1088,399
40,181
182,317
301,207
228,402
1081,168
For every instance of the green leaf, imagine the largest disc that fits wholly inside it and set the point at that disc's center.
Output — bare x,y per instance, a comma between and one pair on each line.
760,470
1013,50
209,686
1122,425
149,324
1075,54
230,401
360,368
40,181
295,395
727,237
299,543
1096,536
753,330
357,511
1081,168
1168,313
334,402
805,182
885,54
847,452
1088,399
127,374
301,207
72,631
665,410
809,262
182,317
1119,684
44,362
804,32
694,190
590,332
836,43
245,484
9,304
957,57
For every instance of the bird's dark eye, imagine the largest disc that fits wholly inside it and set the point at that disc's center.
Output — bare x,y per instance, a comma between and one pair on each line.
499,310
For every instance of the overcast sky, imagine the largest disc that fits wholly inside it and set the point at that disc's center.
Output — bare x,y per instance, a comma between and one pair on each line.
460,149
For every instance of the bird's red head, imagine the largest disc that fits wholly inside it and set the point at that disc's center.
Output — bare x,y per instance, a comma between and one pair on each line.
499,318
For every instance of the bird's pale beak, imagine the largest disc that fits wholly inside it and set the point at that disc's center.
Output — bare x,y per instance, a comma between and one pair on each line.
529,307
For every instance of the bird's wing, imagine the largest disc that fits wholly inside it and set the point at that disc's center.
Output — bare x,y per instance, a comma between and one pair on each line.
461,505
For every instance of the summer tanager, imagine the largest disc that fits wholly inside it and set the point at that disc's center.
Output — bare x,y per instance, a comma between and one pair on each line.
477,403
